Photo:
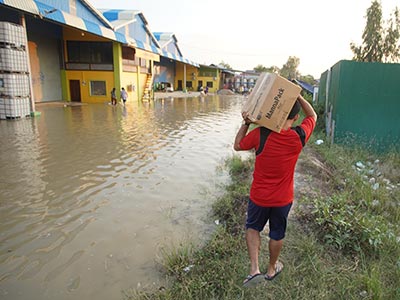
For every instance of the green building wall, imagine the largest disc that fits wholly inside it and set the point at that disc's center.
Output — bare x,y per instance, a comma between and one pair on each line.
363,103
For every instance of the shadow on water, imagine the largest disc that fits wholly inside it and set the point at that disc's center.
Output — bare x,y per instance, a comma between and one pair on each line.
90,193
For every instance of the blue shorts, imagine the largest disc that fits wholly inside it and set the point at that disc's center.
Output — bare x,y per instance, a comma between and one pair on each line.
258,216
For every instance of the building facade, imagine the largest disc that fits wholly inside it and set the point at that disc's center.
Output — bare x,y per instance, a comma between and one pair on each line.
85,52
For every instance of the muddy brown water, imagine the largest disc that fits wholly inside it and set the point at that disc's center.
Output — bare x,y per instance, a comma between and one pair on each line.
91,194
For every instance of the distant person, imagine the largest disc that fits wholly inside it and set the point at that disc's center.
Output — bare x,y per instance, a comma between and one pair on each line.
124,95
206,90
113,97
272,189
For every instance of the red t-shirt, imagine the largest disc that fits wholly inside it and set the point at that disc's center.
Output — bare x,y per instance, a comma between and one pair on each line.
273,176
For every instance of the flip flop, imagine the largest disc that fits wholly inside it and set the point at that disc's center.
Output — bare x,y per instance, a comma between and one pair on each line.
252,280
278,269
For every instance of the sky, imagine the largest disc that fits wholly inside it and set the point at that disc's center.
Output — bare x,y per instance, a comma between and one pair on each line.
245,34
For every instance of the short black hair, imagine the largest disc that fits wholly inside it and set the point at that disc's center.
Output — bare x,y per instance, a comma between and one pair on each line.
295,110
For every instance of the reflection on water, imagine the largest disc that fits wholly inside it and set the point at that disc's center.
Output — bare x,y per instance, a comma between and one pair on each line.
90,193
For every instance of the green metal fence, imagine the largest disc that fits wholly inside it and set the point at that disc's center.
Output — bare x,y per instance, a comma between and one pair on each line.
363,103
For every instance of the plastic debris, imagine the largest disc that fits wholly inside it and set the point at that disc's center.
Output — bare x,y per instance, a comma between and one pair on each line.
360,165
319,142
188,268
375,186
375,202
216,222
364,294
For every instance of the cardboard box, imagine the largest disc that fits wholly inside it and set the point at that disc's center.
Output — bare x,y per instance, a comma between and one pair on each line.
271,101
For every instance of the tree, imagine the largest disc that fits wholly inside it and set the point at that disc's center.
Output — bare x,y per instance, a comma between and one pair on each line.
273,69
379,44
391,47
225,65
289,69
309,79
260,68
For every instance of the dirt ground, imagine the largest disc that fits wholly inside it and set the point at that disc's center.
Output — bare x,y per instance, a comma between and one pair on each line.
311,176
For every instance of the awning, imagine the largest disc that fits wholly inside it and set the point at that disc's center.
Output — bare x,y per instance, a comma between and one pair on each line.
304,85
147,55
143,46
48,12
178,58
25,5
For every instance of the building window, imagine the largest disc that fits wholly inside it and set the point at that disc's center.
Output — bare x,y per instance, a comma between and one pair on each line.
98,88
90,52
210,84
189,84
128,53
129,59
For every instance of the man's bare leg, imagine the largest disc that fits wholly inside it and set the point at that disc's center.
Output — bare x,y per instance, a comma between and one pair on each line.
274,251
253,241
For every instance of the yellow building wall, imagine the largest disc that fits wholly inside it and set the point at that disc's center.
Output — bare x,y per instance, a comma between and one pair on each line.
133,82
129,81
141,85
192,74
214,80
85,77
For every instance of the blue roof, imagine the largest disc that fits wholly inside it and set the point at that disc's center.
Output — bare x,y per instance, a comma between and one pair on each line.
305,86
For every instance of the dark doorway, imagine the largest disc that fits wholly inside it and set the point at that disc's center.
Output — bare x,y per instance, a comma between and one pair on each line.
179,85
200,86
75,90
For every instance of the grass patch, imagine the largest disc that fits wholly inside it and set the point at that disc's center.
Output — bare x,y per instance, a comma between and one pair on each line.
341,244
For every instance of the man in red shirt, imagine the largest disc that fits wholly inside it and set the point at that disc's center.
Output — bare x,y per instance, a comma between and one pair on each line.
272,189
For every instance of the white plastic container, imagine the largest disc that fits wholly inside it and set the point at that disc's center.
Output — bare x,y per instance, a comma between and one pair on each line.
14,108
14,85
12,34
13,60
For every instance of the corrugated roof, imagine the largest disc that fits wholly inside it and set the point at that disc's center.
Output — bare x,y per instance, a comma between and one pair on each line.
25,5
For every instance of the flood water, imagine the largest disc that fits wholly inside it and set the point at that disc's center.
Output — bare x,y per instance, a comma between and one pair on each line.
91,194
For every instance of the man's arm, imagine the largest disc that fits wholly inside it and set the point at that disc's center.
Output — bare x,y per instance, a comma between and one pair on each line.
307,108
242,131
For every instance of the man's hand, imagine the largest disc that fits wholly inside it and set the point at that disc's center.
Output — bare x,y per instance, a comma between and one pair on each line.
245,116
307,108
242,130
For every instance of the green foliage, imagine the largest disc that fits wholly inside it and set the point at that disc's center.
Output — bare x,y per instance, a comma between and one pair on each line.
289,69
391,49
309,79
260,69
225,65
238,168
379,44
349,226
320,110
360,214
